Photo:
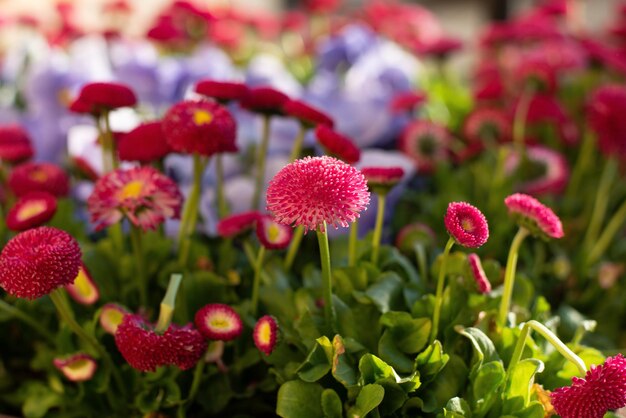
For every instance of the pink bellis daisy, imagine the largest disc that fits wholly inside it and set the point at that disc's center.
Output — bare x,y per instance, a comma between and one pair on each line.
554,167
15,144
316,191
39,177
111,316
530,213
265,100
77,367
31,210
265,334
427,143
605,115
217,321
95,98
337,145
466,224
142,194
272,235
84,289
484,286
146,143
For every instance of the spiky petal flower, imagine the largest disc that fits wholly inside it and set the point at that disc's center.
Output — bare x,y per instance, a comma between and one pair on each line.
539,219
602,389
84,290
308,115
145,350
95,98
337,145
466,224
237,224
31,210
37,261
382,179
427,143
146,143
39,177
222,91
265,100
15,145
271,234
265,334
77,367
217,321
315,191
111,316
484,286
142,194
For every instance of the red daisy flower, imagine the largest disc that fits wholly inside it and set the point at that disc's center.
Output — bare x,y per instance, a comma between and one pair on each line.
145,350
308,115
31,210
77,367
37,261
39,177
484,286
84,290
272,235
265,100
602,389
337,145
382,179
203,127
487,123
15,144
466,224
265,334
217,321
146,143
234,225
315,191
538,73
553,164
406,102
111,316
605,115
142,194
222,91
427,143
96,98
539,219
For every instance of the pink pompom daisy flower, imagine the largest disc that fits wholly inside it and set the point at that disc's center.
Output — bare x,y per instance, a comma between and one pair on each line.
484,286
217,321
265,334
146,143
466,224
15,144
531,214
271,234
555,170
77,367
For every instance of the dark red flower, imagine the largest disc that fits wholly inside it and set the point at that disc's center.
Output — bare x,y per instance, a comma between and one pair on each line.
166,31
15,144
265,334
605,115
237,224
265,100
306,114
406,102
146,143
96,98
39,177
382,179
37,261
31,210
271,234
222,91
337,145
322,6
482,282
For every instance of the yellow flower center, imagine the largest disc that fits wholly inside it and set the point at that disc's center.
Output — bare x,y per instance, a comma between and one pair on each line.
467,225
202,117
82,284
220,322
273,232
31,209
265,333
131,190
39,176
113,318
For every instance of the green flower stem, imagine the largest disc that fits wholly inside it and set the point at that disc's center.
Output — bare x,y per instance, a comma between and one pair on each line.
110,140
260,175
105,145
66,315
195,383
168,304
495,197
258,268
378,228
222,206
601,203
519,123
352,241
190,211
142,279
585,156
327,285
298,234
27,319
440,285
611,229
297,143
509,275
420,258
552,338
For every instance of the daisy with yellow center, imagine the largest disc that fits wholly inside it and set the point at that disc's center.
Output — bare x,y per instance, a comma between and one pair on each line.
265,334
31,210
77,367
217,321
84,290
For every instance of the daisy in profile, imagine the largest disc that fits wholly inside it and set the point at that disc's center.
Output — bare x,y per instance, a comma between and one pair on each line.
31,210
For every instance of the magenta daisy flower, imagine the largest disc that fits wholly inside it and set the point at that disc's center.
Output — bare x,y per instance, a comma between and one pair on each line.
466,224
96,98
15,144
264,100
539,219
337,145
605,113
382,179
111,316
143,195
487,124
237,224
308,115
316,191
145,143
31,210
84,290
77,367
265,334
217,321
406,102
272,235
222,91
602,389
484,286
427,143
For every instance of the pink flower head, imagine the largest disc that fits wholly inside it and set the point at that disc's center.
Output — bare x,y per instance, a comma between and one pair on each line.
605,115
217,321
406,102
111,316
382,179
466,224
31,210
39,177
439,48
273,235
77,367
265,334
487,124
15,144
602,389
427,143
337,145
146,143
37,261
308,115
484,286
545,108
84,290
203,127
222,91
538,73
412,234
237,224
96,98
316,191
142,194
145,350
554,167
265,100
531,214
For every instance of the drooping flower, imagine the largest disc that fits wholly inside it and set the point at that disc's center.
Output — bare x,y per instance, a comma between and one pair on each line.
315,191
203,127
539,219
484,286
265,334
382,179
15,144
265,100
602,389
273,235
427,143
605,115
84,290
308,115
31,210
554,167
142,194
111,316
37,261
78,367
39,177
337,145
146,143
222,91
95,98
466,224
217,321
237,224
145,350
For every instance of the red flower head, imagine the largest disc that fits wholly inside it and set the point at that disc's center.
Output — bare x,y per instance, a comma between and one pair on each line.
337,145
37,261
31,210
222,91
39,177
545,108
534,216
146,143
265,334
145,350
554,167
111,316
202,127
466,224
484,286
272,235
322,6
382,179
439,48
426,143
95,98
602,389
142,194
605,115
316,191
77,367
217,321
265,100
406,102
84,290
487,124
306,114
538,73
234,225
15,144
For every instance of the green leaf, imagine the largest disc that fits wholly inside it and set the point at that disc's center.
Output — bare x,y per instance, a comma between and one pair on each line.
331,404
484,349
374,369
430,361
519,384
216,393
389,352
297,399
318,362
386,294
410,334
486,385
39,400
457,407
369,398
534,410
446,385
342,368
